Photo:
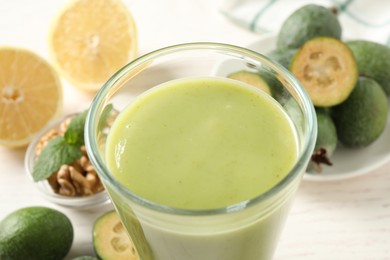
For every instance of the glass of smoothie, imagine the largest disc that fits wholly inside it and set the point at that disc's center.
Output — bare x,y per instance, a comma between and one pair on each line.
201,147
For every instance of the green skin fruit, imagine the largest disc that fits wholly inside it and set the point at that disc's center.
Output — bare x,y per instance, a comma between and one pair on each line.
326,142
282,56
306,23
323,110
85,258
35,233
373,60
361,119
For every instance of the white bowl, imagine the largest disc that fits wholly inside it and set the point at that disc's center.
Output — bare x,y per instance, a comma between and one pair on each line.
91,201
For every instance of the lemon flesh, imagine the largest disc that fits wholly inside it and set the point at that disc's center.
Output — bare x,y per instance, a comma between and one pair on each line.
91,40
30,95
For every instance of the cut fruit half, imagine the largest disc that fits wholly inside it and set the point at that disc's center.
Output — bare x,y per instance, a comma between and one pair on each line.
110,240
327,70
30,95
252,79
91,40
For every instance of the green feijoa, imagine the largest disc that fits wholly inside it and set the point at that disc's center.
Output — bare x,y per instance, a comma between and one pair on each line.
35,233
327,69
361,119
373,61
326,142
324,110
305,23
251,78
283,56
85,257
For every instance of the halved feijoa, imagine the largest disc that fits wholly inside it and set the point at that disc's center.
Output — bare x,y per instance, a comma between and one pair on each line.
110,240
327,70
362,118
251,78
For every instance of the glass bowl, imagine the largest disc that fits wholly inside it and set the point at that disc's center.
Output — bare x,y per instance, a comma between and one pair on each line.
90,201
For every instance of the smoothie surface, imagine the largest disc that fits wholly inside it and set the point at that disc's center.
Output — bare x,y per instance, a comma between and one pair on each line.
201,143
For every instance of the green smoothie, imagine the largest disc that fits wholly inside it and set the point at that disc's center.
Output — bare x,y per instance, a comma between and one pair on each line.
201,143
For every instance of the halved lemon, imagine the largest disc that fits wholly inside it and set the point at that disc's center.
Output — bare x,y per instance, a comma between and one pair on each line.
30,95
92,39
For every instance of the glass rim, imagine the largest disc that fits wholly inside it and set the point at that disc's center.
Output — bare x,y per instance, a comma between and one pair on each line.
98,104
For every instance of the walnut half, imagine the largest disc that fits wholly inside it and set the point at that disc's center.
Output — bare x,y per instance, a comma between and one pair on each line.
76,180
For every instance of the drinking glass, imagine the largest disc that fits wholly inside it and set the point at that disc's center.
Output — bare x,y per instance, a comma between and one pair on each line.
247,230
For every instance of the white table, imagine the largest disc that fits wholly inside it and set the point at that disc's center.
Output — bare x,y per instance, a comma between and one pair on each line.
334,220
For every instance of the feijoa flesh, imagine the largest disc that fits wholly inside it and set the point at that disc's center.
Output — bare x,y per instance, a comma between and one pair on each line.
251,78
326,142
327,70
110,239
361,119
306,23
373,61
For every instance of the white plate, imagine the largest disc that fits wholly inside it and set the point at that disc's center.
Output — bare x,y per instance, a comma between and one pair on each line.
347,163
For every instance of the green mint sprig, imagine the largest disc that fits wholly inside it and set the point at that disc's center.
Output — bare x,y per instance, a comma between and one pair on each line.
61,150
65,149
56,153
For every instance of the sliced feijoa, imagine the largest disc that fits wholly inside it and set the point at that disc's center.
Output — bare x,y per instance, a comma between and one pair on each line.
110,239
327,70
251,78
283,56
305,23
373,61
361,119
326,142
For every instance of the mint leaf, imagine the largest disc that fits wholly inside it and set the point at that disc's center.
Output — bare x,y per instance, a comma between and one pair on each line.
56,153
75,132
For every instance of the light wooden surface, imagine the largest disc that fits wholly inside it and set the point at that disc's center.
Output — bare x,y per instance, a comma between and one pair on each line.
347,219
